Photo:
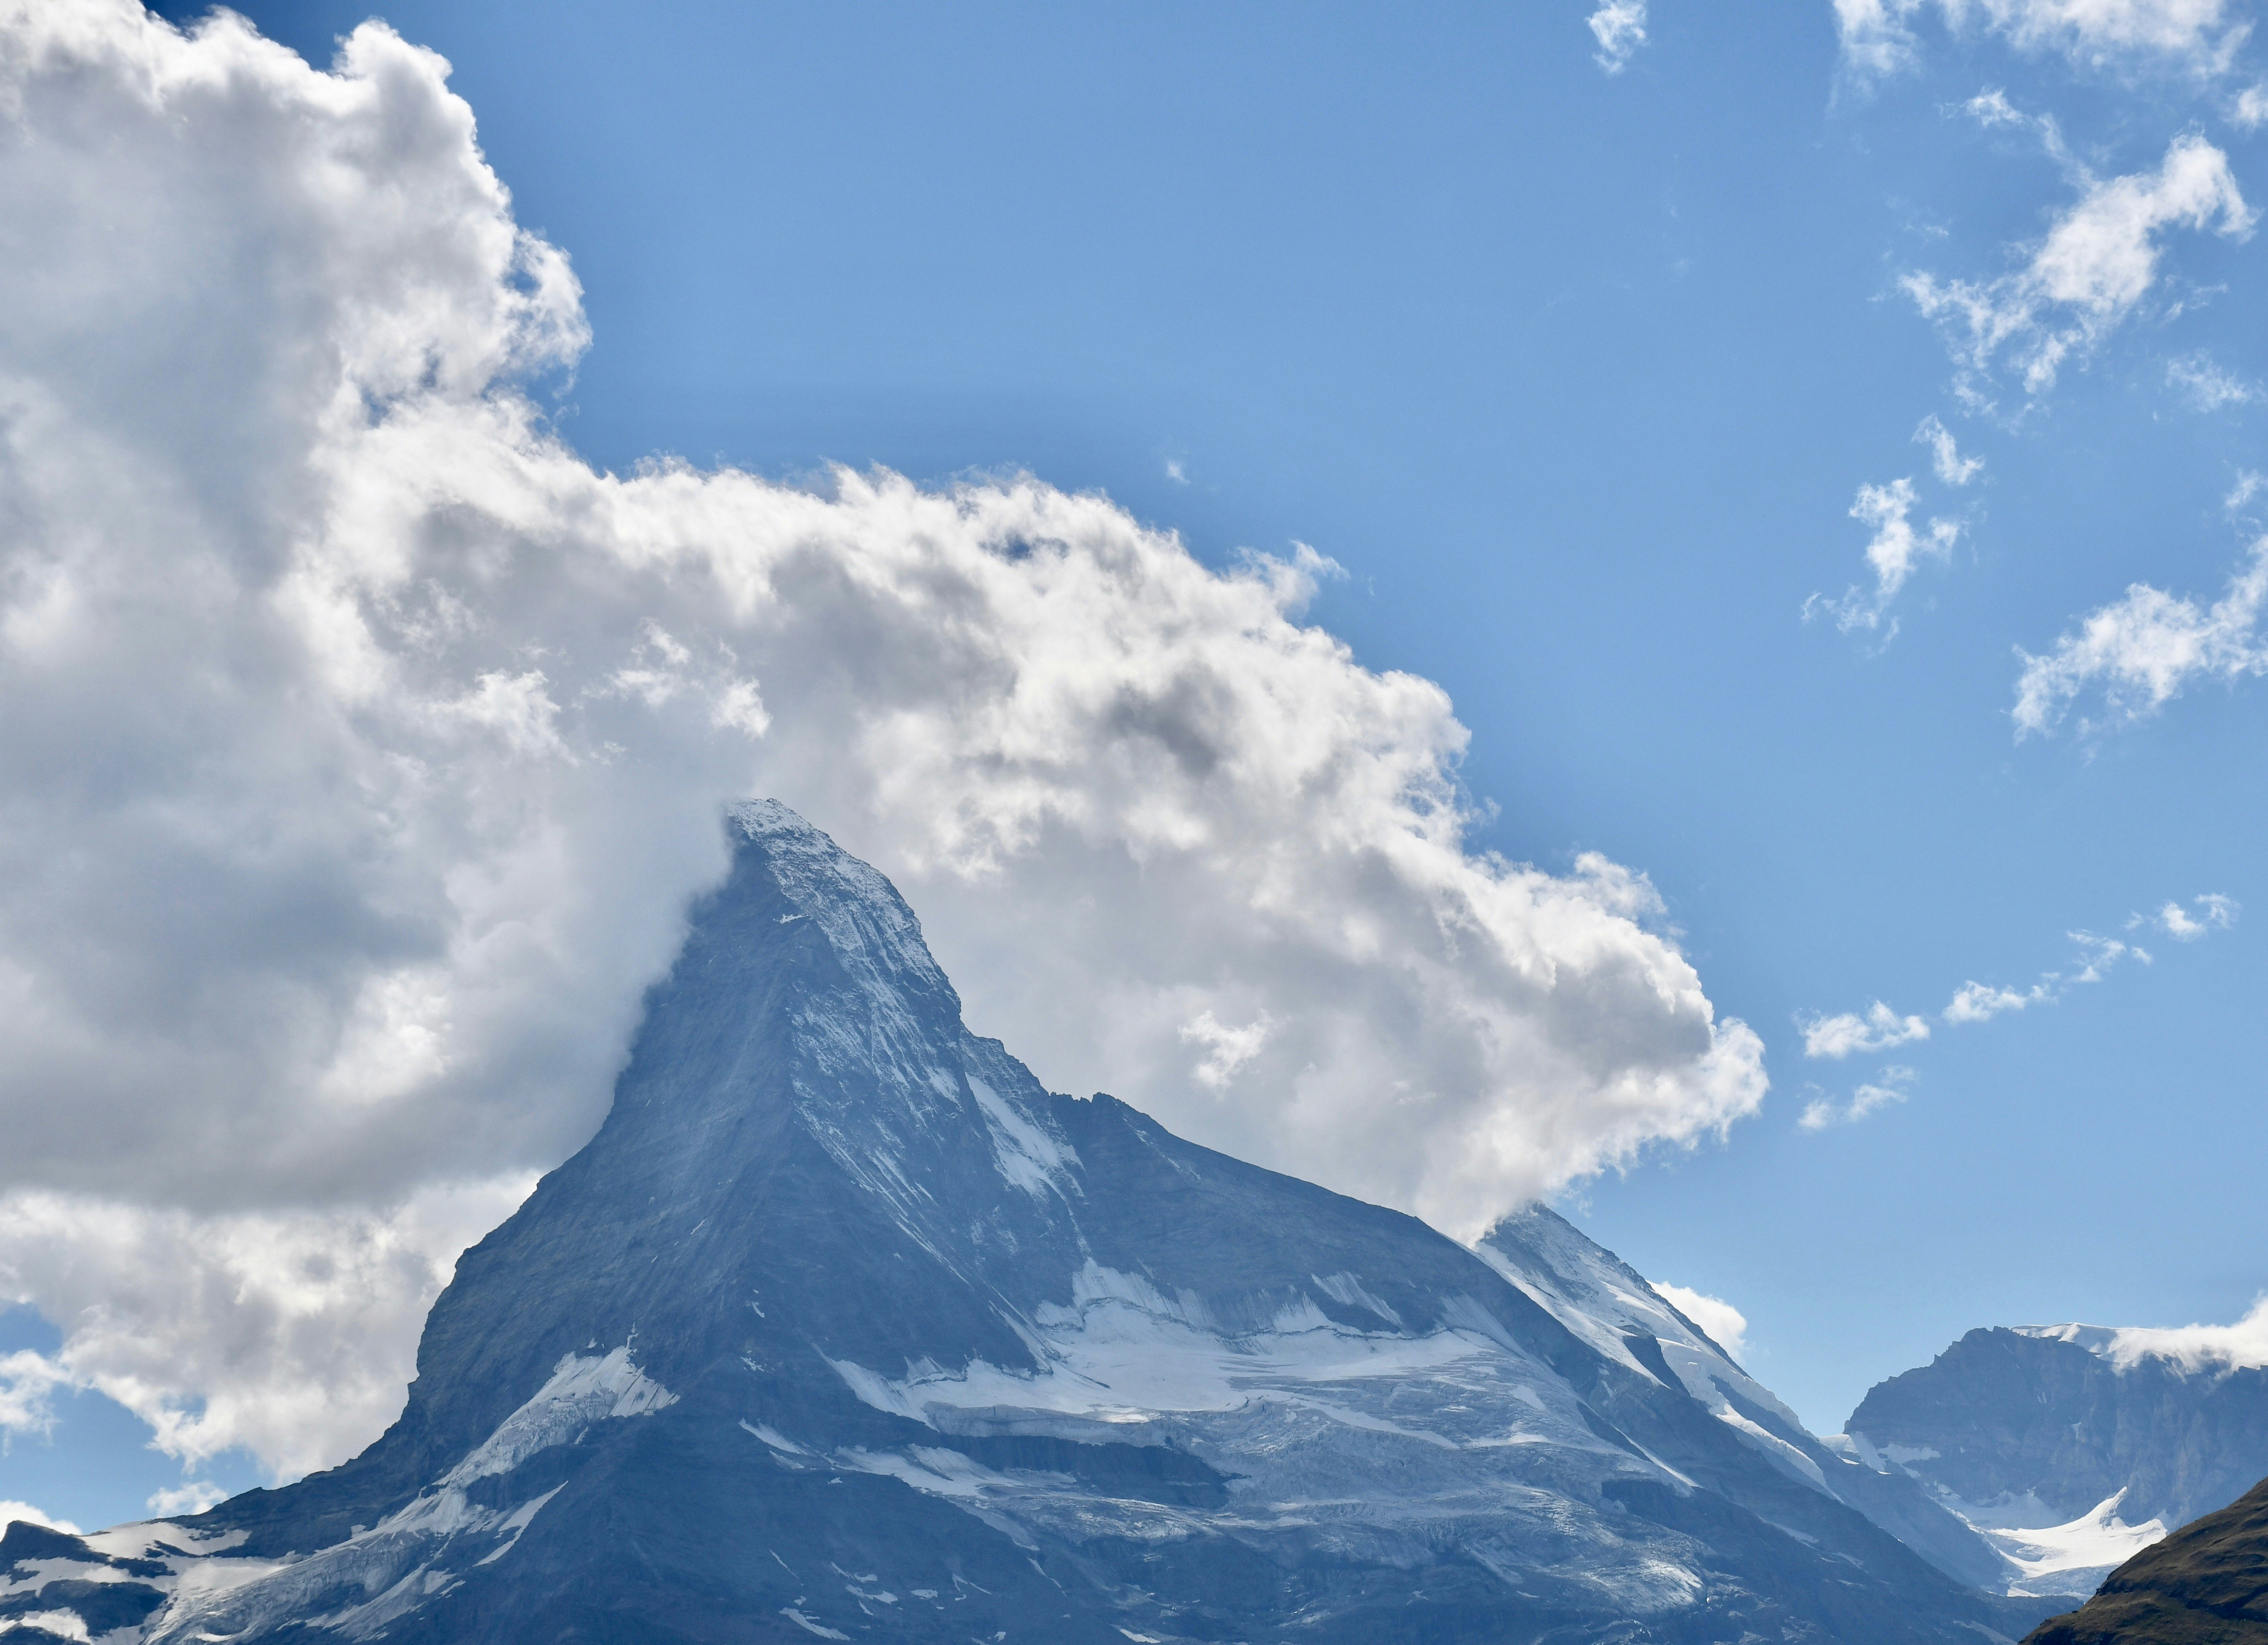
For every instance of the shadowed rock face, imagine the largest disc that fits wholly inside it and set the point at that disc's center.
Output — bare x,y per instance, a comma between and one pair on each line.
2205,1585
2047,1411
842,1327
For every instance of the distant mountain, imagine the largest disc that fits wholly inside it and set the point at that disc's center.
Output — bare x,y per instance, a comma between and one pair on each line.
843,1327
2204,1585
2074,1446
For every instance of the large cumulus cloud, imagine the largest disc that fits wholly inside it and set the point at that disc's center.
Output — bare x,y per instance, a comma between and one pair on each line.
363,745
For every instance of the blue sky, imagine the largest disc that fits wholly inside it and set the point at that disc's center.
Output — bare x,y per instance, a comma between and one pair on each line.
1578,374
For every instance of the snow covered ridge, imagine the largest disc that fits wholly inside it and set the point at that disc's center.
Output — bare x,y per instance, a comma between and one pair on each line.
164,1581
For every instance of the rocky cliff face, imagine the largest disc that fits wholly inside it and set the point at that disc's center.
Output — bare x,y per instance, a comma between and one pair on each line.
2073,1445
843,1326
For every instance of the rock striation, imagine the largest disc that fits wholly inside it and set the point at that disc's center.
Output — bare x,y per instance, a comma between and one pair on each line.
843,1327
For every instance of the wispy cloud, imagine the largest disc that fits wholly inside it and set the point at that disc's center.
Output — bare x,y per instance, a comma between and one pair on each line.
2197,37
1888,1088
1979,1002
2098,954
2207,385
27,1384
2094,960
2096,263
1878,1029
192,1498
2214,912
2095,957
1226,1050
1619,26
1895,547
2142,649
1951,468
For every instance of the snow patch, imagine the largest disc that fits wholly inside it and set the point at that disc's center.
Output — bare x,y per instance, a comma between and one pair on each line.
520,1518
1344,1288
581,1392
809,1626
1122,1350
65,1624
2075,1557
772,1437
1024,1153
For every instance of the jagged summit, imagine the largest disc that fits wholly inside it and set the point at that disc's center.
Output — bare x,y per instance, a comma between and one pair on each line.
842,1325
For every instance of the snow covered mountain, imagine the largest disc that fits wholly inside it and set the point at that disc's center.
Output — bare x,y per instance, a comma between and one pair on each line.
2072,1448
844,1327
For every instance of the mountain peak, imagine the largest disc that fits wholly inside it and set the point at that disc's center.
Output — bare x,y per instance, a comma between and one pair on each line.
843,1325
858,911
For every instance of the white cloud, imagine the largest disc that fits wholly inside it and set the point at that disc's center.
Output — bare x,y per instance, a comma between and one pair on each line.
1978,1002
1951,468
11,1511
27,1385
1822,1111
2096,263
281,1328
363,745
2215,913
2249,108
2097,956
1619,26
2176,923
2206,386
2219,910
2196,36
1879,1029
1226,1050
2197,1347
2141,650
1727,1325
192,1498
1892,552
